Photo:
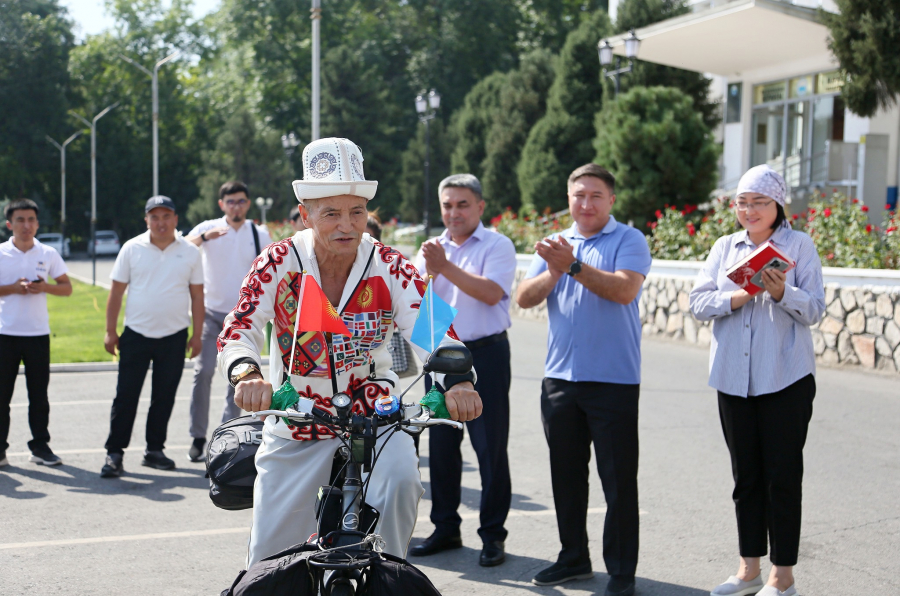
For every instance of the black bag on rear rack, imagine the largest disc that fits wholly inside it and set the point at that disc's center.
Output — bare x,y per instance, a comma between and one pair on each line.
230,463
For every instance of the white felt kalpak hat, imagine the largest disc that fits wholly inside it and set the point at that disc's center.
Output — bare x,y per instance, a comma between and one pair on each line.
333,167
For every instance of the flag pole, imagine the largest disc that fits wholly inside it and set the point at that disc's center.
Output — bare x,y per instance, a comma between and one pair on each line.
431,308
296,324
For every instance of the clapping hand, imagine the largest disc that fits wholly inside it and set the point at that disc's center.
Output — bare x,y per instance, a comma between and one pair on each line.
558,254
435,257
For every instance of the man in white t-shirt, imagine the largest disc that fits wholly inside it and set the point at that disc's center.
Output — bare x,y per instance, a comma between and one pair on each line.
229,246
25,267
165,275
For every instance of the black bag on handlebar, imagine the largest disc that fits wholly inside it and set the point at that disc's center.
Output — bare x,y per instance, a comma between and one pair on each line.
230,463
287,574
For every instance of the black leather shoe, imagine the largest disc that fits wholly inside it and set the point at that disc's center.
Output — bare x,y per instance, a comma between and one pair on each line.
435,544
196,452
620,585
559,573
113,467
492,554
158,460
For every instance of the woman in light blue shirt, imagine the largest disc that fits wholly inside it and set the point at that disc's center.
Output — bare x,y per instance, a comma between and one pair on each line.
762,364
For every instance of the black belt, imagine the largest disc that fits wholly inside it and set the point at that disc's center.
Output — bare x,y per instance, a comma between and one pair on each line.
486,341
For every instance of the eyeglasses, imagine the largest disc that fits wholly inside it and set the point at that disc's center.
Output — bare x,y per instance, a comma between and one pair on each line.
238,202
754,206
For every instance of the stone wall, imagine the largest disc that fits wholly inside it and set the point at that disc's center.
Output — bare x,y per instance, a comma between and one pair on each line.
861,326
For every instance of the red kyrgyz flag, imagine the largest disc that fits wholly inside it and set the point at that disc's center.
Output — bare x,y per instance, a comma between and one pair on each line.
316,311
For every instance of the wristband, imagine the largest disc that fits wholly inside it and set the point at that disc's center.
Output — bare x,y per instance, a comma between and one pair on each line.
203,237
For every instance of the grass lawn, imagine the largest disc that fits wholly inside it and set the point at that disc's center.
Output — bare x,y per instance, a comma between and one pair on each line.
78,324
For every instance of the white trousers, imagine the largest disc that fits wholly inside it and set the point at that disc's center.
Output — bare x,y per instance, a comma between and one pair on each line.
291,472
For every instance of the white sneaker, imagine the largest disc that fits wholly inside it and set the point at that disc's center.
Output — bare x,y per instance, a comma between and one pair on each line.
738,587
773,591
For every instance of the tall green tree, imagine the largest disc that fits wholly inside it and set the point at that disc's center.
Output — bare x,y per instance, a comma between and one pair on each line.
249,151
633,14
659,149
562,139
35,42
356,106
523,102
547,23
865,35
145,32
472,122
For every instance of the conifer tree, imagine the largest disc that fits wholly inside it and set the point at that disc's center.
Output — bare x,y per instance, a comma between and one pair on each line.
656,145
561,140
865,36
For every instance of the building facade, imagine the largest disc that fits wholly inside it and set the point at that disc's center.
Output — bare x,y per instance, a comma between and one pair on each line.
781,95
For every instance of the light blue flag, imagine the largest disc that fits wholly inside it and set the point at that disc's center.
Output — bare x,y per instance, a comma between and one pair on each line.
434,319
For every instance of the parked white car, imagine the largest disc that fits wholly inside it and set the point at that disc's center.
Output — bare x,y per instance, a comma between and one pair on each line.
55,241
106,243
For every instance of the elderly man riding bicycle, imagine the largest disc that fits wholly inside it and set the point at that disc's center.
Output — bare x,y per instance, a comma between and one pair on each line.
372,287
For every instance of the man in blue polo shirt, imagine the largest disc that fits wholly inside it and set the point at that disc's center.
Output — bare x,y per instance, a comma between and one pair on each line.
591,276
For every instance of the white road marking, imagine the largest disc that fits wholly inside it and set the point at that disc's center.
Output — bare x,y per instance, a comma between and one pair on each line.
80,451
87,402
221,531
130,538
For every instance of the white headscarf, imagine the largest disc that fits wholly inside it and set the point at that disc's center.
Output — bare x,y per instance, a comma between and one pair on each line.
765,181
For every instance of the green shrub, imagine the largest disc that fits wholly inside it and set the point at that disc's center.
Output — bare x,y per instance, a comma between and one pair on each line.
656,145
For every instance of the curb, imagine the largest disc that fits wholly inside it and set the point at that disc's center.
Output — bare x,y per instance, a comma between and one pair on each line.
87,280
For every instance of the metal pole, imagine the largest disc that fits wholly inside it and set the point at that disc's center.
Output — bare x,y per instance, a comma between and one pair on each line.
94,203
427,165
93,125
62,186
154,78
316,16
155,85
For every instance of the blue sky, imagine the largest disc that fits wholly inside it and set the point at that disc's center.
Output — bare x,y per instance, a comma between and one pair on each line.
90,15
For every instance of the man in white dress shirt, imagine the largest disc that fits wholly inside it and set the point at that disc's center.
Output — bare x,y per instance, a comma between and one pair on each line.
26,267
229,245
164,276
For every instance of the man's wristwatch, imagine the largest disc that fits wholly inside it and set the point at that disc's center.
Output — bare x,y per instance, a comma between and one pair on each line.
203,237
242,371
574,268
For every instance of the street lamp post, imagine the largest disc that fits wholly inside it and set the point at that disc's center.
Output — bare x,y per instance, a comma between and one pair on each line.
62,174
316,16
289,142
154,77
93,126
426,107
264,205
605,50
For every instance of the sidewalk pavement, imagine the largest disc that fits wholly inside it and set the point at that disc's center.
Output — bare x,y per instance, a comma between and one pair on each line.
66,530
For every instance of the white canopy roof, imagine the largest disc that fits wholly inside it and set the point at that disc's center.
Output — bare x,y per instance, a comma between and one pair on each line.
732,38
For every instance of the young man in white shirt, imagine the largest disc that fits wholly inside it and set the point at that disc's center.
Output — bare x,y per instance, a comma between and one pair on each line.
165,275
229,246
25,267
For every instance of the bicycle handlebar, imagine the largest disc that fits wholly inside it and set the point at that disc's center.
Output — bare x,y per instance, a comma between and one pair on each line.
413,415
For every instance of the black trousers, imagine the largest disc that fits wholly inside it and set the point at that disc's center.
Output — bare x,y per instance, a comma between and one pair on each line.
135,354
765,436
489,434
574,416
34,352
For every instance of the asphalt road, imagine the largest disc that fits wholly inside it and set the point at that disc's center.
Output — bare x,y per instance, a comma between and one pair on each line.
66,531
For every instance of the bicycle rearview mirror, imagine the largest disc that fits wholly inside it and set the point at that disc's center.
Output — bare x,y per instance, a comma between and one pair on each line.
455,360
